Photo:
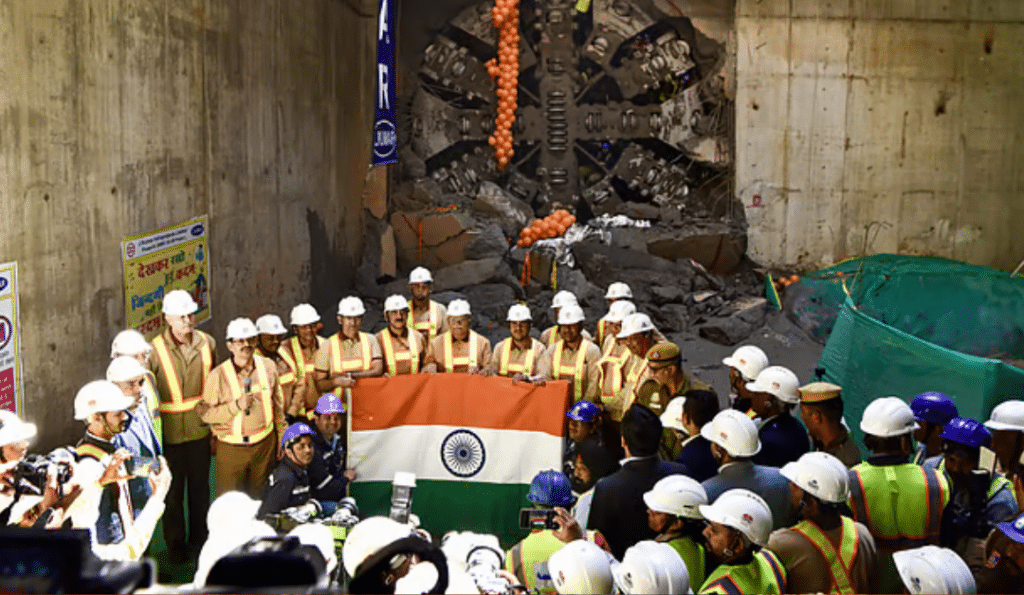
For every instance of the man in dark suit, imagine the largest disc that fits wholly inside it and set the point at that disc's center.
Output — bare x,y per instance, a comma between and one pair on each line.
618,510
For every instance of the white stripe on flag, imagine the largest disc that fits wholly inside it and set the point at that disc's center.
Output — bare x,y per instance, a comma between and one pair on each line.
508,456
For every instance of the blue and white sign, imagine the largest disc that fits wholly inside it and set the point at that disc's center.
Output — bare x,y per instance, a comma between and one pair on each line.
385,133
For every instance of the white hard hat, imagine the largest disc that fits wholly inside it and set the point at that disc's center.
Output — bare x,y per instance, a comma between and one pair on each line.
270,324
821,475
368,537
744,511
618,291
100,396
241,328
230,510
519,313
458,308
749,360
129,342
581,566
179,303
304,314
420,275
651,567
395,303
351,306
124,368
571,314
933,569
635,323
620,310
1008,415
677,495
673,413
563,298
778,381
13,429
733,431
888,416
320,537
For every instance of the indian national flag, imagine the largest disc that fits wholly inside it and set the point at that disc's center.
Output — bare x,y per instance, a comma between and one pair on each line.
474,444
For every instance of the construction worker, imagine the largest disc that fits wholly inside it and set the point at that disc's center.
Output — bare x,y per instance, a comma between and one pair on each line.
140,437
518,356
131,343
821,408
302,349
824,538
1007,425
328,475
582,421
573,358
734,442
550,335
184,358
460,349
739,523
673,513
617,291
244,405
379,551
672,422
744,365
593,461
1003,571
117,532
268,344
427,316
350,354
651,567
773,396
638,335
930,569
404,350
288,485
932,411
900,502
581,566
614,357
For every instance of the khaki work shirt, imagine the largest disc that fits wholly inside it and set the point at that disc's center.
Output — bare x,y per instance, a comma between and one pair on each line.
223,405
291,389
307,359
516,358
807,571
351,349
845,450
188,367
402,345
423,316
545,337
460,349
611,369
591,387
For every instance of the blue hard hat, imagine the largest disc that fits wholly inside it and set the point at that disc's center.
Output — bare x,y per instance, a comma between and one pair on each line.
329,403
551,488
967,431
294,432
1013,529
584,411
934,408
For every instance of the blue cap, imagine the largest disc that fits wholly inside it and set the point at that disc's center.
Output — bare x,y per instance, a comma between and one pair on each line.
551,488
1013,529
584,411
967,431
294,432
934,408
329,403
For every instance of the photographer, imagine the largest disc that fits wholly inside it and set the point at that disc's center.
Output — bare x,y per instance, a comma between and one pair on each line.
14,441
379,551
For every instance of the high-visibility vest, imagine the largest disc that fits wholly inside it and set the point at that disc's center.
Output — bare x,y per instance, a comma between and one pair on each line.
840,560
300,359
178,402
633,379
998,481
602,325
576,370
265,397
429,325
505,366
694,558
290,376
528,559
763,574
616,361
391,358
355,364
450,361
553,336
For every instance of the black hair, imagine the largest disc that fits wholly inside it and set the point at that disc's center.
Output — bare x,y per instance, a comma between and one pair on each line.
831,409
700,406
641,429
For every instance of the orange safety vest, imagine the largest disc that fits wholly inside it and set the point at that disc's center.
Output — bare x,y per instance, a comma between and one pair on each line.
840,560
575,370
287,377
430,324
505,365
616,371
178,402
470,360
266,398
632,379
300,360
391,358
599,334
355,364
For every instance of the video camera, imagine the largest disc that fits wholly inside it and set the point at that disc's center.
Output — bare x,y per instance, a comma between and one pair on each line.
32,472
270,562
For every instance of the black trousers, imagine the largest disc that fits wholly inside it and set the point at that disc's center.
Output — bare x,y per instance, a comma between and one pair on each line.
190,468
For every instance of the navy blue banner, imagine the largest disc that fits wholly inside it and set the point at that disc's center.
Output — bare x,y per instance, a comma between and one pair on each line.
385,133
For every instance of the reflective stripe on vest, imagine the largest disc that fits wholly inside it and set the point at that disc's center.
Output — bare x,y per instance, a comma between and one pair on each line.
412,355
616,371
356,364
553,336
885,524
178,402
694,558
504,363
998,482
767,577
287,377
300,359
90,450
841,560
576,370
599,333
470,360
430,324
265,397
633,379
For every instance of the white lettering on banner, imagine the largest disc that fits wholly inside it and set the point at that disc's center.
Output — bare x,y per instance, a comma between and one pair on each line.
382,24
382,87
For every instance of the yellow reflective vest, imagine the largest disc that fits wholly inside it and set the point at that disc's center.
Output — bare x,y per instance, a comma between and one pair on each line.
840,560
763,574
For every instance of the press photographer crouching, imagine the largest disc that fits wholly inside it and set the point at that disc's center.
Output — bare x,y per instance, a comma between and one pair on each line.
30,485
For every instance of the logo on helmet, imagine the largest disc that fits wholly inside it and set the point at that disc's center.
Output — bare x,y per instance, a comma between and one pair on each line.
813,484
1019,523
743,361
561,577
747,518
993,560
724,435
776,385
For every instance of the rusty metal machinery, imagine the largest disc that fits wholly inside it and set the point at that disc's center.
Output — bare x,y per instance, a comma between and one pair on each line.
614,105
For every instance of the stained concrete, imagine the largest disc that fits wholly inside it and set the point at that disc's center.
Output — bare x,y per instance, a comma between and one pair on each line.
118,117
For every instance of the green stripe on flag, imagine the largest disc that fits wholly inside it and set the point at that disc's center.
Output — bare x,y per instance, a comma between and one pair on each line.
770,293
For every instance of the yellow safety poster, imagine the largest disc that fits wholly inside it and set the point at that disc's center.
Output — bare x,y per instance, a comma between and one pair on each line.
11,393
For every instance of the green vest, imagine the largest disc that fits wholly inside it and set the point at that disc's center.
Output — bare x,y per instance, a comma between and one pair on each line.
528,559
841,560
763,574
693,556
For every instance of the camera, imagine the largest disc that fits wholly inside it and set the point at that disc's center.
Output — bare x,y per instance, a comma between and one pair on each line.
537,518
401,496
31,473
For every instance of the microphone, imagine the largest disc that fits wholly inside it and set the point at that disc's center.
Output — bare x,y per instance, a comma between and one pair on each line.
247,383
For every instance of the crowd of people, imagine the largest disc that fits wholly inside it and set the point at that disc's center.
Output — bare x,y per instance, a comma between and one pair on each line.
661,490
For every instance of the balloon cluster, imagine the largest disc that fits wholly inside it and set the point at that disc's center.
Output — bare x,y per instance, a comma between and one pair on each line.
505,16
552,226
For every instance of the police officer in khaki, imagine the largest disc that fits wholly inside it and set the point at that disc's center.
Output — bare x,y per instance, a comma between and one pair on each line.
404,349
425,315
573,357
460,350
302,349
271,336
668,380
518,356
350,354
184,358
821,408
244,405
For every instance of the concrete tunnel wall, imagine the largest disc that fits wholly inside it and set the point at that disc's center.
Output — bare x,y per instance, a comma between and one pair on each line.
119,117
